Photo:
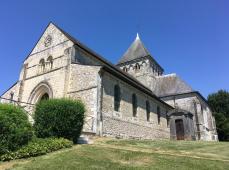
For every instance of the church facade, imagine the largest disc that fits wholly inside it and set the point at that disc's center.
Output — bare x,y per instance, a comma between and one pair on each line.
132,99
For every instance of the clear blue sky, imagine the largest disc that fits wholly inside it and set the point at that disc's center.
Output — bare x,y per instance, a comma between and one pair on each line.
190,38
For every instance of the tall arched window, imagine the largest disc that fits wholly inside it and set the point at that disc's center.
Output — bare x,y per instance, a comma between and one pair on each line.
158,114
50,62
134,104
117,98
137,67
11,97
42,65
147,110
125,69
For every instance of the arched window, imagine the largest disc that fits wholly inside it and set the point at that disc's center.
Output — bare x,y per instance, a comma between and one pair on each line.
42,65
137,67
147,110
125,69
134,104
50,62
117,98
158,114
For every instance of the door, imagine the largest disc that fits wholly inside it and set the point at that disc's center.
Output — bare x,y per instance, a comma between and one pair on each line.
179,129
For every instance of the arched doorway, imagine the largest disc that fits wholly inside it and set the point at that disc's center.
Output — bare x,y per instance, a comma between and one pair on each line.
179,129
45,97
41,92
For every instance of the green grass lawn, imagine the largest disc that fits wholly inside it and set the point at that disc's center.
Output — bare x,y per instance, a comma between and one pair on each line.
131,154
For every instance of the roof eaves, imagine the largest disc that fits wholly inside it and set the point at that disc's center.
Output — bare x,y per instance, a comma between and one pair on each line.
114,68
135,83
180,94
9,88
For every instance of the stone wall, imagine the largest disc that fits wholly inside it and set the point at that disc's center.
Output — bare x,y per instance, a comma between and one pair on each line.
125,128
12,90
83,84
202,115
123,123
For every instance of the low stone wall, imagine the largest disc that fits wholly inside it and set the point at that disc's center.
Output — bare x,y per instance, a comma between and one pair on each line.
124,128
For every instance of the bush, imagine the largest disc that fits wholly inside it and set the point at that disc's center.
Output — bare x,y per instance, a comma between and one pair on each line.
15,128
36,147
59,118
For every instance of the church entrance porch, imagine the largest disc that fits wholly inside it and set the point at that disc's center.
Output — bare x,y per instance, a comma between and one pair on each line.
181,125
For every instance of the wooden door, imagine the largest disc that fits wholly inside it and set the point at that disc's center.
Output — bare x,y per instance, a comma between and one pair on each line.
179,129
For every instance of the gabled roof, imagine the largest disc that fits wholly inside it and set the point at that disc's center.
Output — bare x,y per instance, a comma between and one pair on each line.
114,69
185,93
170,84
135,51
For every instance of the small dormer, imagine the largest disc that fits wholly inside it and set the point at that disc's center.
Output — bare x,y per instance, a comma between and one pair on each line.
138,61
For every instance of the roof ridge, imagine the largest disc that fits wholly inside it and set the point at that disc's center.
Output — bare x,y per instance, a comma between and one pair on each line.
112,66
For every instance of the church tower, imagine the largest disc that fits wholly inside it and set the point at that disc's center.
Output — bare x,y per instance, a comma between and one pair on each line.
138,62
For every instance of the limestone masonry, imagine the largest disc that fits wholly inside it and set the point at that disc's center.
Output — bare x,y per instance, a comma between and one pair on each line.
132,99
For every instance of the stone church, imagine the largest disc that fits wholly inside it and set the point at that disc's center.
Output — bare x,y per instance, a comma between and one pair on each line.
132,99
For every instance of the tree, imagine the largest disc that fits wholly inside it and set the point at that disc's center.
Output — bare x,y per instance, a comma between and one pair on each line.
219,103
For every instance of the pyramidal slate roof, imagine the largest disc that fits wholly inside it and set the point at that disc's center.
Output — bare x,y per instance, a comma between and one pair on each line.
136,50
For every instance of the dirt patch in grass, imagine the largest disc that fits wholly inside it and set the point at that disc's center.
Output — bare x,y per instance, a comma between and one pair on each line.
143,161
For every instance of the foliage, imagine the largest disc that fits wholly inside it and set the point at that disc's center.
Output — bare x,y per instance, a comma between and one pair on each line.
219,103
15,128
59,118
36,147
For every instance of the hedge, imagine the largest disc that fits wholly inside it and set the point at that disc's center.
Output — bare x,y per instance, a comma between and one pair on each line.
59,118
15,128
36,147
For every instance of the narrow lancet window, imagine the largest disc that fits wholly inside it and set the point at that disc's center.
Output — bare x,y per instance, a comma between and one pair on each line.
158,114
50,62
11,97
117,98
134,105
137,67
42,65
147,111
125,69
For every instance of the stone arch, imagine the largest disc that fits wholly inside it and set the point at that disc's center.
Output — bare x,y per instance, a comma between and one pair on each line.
41,91
50,62
125,69
42,65
137,66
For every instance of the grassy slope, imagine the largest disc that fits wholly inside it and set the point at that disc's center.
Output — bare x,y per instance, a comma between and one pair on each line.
132,154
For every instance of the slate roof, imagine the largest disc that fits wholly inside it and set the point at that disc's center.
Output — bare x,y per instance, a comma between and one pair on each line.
171,84
135,51
113,69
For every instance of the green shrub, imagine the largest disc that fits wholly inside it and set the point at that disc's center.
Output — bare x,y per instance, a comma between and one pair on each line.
36,147
59,118
15,128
